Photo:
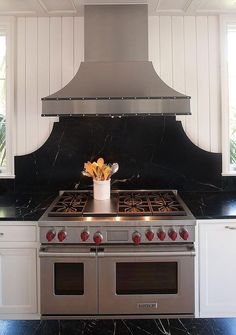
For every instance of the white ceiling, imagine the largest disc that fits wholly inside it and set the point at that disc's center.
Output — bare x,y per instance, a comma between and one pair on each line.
75,7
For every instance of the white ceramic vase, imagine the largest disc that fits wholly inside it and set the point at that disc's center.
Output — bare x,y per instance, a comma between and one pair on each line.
101,189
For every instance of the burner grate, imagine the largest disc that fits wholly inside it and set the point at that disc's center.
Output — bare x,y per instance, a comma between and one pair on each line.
149,203
69,204
165,203
133,204
126,203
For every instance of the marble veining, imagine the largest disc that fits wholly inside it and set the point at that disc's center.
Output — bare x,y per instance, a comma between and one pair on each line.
211,205
121,327
153,152
24,206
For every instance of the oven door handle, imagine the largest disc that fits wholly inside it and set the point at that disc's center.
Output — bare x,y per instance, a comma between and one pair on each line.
147,254
66,254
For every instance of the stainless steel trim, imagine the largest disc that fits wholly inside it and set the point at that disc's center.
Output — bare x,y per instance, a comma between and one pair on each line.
117,316
113,108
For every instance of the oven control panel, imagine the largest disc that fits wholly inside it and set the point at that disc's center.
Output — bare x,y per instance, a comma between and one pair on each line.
112,235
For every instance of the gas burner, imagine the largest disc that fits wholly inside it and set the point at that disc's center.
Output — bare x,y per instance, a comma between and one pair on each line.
167,206
134,209
149,203
132,203
69,204
166,203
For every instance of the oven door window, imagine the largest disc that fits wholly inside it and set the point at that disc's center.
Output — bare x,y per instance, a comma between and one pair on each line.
146,278
68,278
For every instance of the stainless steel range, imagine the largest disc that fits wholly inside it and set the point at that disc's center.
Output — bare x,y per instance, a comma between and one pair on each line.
130,256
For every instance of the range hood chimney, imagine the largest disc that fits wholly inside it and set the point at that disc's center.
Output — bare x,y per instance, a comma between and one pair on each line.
116,78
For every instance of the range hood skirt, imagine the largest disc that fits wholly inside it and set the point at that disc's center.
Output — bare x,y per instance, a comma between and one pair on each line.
116,88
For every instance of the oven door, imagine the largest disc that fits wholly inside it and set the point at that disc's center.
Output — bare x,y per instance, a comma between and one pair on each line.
140,280
68,281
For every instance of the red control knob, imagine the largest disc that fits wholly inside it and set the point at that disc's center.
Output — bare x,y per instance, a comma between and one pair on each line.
84,235
136,237
161,234
149,235
172,234
97,237
61,235
50,235
184,234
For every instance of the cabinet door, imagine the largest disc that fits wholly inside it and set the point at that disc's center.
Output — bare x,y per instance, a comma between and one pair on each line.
217,268
18,281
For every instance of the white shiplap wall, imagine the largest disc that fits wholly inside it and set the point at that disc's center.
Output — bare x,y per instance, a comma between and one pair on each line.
184,50
49,51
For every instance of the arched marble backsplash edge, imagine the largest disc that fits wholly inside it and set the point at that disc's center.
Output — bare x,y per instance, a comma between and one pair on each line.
153,152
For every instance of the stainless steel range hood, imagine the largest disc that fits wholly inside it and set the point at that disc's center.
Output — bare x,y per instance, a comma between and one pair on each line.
116,78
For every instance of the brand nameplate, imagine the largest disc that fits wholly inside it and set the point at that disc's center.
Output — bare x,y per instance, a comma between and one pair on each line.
148,305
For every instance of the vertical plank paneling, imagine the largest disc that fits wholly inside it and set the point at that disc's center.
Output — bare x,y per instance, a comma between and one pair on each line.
55,58
191,76
31,74
178,57
55,54
78,42
214,77
67,49
20,88
166,49
154,41
203,83
43,77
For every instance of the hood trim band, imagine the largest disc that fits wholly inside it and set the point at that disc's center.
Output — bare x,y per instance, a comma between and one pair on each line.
116,107
112,98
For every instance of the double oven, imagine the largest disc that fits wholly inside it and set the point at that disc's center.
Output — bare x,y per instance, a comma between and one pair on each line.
117,275
117,281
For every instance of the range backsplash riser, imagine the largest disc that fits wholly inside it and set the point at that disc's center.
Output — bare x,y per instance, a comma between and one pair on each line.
153,153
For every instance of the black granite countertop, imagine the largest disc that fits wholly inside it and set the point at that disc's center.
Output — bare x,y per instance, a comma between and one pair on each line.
24,206
211,205
203,205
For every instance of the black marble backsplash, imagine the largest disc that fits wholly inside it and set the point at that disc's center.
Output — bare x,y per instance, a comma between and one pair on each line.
153,152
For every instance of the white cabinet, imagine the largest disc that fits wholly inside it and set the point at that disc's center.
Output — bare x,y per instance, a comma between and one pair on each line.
18,281
18,271
217,268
